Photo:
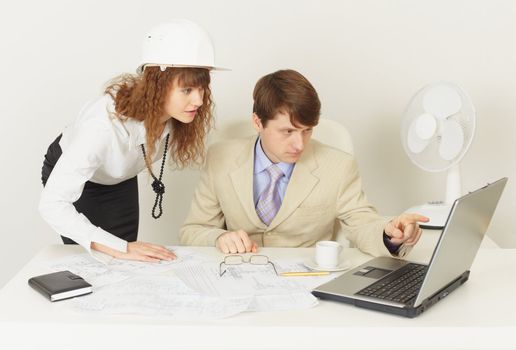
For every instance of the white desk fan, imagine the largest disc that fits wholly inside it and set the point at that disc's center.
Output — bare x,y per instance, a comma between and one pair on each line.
436,132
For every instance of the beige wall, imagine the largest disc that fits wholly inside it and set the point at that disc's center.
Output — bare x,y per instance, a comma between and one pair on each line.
366,58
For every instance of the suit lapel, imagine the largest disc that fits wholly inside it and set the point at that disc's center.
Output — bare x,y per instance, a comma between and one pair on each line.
301,184
242,180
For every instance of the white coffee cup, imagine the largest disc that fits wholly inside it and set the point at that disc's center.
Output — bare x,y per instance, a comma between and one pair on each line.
327,254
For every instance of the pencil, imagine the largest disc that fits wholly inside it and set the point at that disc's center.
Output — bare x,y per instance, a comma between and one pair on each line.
306,273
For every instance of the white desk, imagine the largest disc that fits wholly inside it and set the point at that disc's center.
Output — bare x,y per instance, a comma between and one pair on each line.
480,314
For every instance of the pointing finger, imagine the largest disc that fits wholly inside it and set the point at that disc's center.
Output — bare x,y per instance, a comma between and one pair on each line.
413,217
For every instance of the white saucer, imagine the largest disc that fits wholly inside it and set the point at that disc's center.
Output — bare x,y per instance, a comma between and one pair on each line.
343,265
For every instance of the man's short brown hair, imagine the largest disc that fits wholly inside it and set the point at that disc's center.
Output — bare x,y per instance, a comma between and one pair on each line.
289,92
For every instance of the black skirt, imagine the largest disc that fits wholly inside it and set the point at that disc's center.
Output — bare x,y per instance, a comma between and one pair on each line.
114,208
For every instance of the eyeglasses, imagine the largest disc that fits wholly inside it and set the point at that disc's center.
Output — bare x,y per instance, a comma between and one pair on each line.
239,259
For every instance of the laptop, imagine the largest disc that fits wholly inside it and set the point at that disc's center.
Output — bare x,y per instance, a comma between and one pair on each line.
404,288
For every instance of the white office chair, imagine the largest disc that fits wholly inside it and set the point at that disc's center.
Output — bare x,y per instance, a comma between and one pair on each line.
336,135
232,129
327,131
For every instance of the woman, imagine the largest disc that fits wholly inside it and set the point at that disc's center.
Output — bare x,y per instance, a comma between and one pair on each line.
90,171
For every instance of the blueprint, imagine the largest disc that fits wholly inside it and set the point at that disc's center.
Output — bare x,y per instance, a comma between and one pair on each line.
189,287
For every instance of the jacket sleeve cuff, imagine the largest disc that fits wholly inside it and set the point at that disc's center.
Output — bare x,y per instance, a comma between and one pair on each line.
399,250
213,235
391,247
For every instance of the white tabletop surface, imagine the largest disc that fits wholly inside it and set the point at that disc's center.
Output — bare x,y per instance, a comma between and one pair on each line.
479,314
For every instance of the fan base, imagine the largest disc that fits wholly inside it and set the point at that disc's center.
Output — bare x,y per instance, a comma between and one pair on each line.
436,212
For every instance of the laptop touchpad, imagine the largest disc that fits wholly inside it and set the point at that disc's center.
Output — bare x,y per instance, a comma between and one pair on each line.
372,272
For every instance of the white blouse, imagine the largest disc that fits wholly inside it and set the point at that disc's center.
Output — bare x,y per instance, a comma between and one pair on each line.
100,148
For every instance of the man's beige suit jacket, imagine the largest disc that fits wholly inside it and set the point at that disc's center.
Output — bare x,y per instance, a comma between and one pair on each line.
324,194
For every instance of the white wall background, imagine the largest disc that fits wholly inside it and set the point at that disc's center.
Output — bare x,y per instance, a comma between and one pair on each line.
366,59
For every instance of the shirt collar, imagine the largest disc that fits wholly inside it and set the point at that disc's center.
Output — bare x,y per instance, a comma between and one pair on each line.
135,129
262,162
139,134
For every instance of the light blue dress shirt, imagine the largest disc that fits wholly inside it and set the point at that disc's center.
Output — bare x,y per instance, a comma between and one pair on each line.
261,177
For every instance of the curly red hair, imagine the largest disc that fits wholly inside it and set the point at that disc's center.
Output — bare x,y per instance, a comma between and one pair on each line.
142,97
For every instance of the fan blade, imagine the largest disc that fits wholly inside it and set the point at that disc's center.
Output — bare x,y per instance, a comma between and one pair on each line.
414,143
452,139
442,101
426,126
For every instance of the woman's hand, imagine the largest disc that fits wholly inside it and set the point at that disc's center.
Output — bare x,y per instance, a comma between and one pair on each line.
139,251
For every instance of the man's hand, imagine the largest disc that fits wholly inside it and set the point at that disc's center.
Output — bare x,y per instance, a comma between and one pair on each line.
139,251
235,242
405,229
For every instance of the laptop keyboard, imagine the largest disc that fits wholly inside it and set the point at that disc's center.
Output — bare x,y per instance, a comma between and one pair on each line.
400,286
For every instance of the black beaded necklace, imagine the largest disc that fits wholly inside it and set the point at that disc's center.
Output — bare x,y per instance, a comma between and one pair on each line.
157,185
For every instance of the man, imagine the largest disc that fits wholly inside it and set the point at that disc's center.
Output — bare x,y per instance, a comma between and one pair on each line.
282,189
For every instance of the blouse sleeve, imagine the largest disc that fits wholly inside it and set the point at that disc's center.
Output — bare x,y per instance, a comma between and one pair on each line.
83,156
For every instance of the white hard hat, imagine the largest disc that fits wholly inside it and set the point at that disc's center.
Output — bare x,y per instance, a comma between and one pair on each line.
178,43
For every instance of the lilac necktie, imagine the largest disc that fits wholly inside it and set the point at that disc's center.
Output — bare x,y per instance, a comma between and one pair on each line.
270,201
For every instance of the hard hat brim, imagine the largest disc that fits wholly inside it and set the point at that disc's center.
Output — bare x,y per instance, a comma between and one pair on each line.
142,67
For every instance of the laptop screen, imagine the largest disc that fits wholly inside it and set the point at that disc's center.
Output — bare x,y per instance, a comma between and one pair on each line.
463,232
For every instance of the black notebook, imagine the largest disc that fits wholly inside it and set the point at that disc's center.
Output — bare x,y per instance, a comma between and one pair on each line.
60,285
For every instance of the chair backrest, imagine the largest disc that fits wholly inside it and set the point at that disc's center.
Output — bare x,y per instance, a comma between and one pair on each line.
333,134
232,129
328,131
336,135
